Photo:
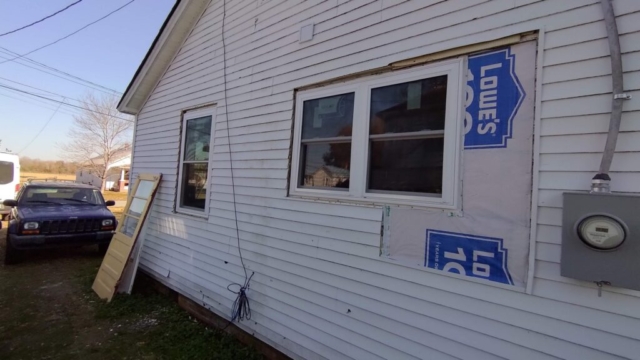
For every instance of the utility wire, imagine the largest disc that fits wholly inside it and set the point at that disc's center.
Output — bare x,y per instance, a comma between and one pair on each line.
73,33
39,103
94,87
240,309
43,127
41,20
63,103
43,90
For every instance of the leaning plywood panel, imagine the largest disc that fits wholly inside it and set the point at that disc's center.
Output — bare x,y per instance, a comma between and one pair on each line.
117,256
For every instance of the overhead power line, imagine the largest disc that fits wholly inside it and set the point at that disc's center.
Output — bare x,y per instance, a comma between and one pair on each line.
41,20
39,89
83,82
73,33
61,102
38,102
42,128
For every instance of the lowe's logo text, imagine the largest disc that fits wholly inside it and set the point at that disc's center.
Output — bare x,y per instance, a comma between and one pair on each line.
494,95
468,255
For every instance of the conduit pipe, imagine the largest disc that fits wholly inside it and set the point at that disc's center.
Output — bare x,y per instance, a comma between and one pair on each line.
600,182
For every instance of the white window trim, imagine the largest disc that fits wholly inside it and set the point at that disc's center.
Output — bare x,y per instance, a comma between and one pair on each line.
190,115
357,191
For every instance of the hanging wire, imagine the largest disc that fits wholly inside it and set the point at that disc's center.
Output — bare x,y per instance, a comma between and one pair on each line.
68,35
41,20
241,309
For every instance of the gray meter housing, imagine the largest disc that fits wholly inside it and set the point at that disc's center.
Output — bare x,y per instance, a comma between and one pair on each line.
600,238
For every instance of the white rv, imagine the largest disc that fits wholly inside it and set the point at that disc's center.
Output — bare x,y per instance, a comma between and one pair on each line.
9,179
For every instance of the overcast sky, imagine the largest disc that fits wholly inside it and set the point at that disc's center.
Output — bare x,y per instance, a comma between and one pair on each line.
107,53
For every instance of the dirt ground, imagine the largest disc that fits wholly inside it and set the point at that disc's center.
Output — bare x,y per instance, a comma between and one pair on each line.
48,311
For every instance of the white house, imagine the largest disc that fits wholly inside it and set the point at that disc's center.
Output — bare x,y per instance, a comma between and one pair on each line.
117,171
459,124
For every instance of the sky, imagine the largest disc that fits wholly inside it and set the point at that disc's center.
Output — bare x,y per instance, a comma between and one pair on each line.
106,53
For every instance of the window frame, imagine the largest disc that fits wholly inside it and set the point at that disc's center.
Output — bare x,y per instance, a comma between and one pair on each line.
359,169
186,116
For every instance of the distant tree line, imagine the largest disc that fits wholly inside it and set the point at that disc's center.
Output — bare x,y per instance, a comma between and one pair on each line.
28,164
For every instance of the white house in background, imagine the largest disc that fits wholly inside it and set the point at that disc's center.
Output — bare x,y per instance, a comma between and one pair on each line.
459,125
118,172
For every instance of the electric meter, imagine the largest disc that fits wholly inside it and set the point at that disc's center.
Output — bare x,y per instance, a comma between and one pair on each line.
601,238
601,232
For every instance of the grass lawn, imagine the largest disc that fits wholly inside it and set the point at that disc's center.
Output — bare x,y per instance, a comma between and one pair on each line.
114,195
48,311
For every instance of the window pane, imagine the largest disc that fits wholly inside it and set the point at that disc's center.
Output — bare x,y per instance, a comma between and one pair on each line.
129,226
407,107
144,189
44,195
6,172
327,117
407,165
197,139
194,185
325,165
137,205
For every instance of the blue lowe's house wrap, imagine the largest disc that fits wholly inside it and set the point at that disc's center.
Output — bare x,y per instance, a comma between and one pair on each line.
494,95
477,256
486,237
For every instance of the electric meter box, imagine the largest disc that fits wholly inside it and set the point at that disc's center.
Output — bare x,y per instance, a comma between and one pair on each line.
601,238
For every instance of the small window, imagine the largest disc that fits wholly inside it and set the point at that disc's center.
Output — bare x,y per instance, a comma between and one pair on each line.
197,136
6,172
391,138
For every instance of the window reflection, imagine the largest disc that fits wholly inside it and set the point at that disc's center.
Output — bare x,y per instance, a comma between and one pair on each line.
406,138
326,163
409,107
194,185
407,165
197,139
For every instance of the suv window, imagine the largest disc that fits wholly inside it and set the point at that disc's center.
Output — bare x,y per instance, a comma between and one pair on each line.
44,195
6,172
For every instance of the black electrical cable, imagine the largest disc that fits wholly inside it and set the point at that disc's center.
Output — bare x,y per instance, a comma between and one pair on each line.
86,83
62,102
41,20
241,309
42,129
39,89
66,36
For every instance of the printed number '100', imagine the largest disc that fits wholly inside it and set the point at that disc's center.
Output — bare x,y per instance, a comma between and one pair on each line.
478,269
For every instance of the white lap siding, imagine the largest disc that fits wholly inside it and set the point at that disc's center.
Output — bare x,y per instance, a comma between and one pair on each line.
320,289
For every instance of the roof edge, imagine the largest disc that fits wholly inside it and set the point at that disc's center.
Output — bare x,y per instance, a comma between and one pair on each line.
174,31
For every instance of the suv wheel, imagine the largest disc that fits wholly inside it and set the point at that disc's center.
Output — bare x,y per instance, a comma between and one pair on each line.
12,255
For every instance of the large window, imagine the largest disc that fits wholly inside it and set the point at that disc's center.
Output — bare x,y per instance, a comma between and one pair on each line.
391,138
197,135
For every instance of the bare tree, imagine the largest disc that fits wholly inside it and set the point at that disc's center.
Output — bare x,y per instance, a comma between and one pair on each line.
98,135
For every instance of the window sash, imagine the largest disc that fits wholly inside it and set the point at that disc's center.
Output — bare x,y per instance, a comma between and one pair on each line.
408,135
339,139
361,138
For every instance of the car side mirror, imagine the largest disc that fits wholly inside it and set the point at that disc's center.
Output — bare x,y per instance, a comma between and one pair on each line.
10,203
110,203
